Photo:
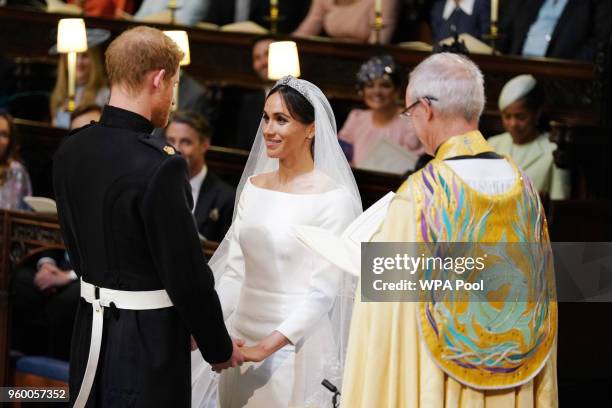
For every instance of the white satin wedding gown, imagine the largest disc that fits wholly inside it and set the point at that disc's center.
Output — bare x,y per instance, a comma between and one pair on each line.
273,283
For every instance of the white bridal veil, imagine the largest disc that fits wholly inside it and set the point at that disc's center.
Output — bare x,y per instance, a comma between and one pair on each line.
332,171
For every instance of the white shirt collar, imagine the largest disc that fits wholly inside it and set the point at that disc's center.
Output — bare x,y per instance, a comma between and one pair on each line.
466,5
196,182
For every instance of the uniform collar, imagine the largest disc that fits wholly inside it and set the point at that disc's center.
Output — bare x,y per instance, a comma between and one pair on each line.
468,144
125,119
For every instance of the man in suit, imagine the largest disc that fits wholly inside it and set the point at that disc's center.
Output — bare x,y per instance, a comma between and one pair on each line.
124,203
448,17
213,199
569,29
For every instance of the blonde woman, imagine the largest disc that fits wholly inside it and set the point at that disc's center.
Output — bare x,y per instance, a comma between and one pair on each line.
91,83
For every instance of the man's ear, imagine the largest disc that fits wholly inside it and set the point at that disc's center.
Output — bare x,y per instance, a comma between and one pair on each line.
429,113
205,145
158,78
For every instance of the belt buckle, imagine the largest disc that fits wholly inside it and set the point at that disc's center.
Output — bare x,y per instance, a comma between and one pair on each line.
96,303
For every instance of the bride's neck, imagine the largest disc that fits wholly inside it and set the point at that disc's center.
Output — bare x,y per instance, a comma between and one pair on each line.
290,169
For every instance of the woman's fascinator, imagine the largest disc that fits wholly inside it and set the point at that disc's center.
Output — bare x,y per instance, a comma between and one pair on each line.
378,67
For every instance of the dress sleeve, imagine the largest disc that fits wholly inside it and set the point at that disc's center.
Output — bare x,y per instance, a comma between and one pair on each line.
231,281
325,278
313,23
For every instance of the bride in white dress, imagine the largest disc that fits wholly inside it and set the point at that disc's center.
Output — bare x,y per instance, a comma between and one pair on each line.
290,307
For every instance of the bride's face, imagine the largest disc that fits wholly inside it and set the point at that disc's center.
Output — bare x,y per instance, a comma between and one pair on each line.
284,135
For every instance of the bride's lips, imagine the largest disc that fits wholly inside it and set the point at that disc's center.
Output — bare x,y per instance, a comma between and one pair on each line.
272,143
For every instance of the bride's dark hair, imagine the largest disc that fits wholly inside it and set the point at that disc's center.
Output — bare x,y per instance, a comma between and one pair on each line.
298,106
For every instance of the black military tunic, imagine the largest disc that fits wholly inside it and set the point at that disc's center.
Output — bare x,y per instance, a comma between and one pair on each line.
124,204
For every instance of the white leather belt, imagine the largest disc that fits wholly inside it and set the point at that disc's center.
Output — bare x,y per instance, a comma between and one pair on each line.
101,298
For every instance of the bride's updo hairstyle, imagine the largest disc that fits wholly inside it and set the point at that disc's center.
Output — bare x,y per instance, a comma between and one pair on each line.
298,106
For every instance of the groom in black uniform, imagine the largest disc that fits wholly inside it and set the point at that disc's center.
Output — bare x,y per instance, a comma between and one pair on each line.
124,204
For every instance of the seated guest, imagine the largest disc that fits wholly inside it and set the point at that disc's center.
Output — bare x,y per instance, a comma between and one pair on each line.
44,301
349,20
378,81
90,79
570,29
14,178
84,115
448,17
213,200
240,110
520,103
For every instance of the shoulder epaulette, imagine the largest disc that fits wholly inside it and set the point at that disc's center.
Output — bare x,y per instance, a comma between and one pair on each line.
159,144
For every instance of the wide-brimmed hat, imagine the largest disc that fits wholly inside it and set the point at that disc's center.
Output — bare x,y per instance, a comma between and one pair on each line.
95,37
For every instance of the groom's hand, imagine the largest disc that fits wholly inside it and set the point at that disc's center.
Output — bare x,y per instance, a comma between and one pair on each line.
235,360
194,345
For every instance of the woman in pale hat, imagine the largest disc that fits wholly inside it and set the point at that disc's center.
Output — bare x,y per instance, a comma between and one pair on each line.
520,103
91,84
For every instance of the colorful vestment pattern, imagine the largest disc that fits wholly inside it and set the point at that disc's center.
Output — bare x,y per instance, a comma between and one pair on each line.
502,338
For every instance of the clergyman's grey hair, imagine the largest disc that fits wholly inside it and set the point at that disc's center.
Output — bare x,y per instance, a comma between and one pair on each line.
454,80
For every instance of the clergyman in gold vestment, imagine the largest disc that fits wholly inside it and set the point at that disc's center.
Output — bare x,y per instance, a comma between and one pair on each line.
397,356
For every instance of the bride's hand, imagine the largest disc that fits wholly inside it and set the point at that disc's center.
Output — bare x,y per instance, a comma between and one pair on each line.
254,353
266,347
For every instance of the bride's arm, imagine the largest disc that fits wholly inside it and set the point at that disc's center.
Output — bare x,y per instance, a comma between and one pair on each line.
324,286
269,345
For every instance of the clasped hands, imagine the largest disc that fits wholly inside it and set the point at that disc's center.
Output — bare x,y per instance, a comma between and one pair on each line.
49,277
257,353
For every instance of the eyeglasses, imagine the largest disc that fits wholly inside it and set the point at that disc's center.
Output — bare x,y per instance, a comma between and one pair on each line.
406,113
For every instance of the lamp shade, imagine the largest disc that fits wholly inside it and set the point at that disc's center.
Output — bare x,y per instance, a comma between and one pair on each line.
71,35
182,40
283,60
